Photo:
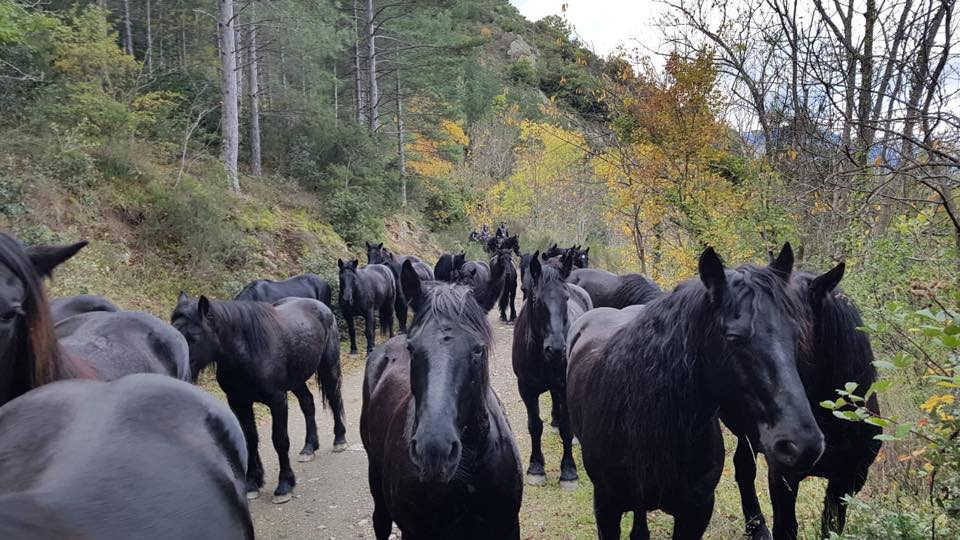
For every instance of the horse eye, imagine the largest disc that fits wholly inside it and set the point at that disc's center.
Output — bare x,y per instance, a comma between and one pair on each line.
478,350
9,316
735,339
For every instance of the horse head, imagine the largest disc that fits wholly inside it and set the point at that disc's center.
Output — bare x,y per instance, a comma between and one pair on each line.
448,344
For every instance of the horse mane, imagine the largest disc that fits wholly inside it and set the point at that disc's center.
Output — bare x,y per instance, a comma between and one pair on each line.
37,357
838,346
657,354
254,323
635,289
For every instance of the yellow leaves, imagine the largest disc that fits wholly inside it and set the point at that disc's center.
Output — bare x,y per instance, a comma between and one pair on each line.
456,133
936,401
426,158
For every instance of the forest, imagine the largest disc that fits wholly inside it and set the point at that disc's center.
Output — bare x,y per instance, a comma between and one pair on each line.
207,143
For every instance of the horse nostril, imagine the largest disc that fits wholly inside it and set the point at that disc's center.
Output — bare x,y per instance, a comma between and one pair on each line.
787,451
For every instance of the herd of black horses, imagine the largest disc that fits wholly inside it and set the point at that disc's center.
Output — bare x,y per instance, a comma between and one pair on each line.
103,436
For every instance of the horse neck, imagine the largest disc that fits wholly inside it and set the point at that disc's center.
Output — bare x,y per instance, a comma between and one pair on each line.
24,374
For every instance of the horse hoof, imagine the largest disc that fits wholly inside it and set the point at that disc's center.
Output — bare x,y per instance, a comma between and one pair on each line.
536,479
575,442
280,499
303,458
251,495
569,485
339,447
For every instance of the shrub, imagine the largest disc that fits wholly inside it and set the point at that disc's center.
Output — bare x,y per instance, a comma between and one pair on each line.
354,216
522,71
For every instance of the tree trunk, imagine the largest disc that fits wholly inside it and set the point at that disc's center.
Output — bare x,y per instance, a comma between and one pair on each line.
230,121
149,57
253,87
357,88
374,94
336,97
864,128
127,27
400,153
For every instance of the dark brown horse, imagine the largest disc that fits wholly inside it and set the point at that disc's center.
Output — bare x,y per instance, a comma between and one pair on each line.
63,442
841,353
540,360
365,292
303,286
645,385
443,461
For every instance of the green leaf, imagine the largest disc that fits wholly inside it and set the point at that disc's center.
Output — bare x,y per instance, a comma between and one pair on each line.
952,329
879,422
885,437
902,360
902,430
827,404
850,416
950,341
878,387
883,364
850,387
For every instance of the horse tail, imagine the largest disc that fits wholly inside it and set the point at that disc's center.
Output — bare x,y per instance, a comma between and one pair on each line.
328,373
636,289
386,313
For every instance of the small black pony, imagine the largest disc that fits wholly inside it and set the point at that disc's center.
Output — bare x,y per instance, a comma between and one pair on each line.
840,354
509,295
540,360
61,443
262,351
377,254
68,306
303,286
443,461
363,291
472,273
645,384
610,290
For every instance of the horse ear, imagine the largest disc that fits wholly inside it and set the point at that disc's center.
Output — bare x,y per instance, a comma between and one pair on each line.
410,282
340,264
712,274
183,298
367,243
203,307
380,245
567,264
823,284
46,258
783,264
535,269
586,250
354,263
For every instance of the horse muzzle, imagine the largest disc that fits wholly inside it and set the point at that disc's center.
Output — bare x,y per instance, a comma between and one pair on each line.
436,457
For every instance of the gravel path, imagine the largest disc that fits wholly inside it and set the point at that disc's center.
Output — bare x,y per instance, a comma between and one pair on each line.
332,500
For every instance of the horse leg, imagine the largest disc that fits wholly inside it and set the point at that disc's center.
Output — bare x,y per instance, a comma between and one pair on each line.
352,330
640,530
243,409
387,316
783,495
309,417
745,465
503,304
693,520
554,415
536,475
400,306
568,467
382,521
608,517
328,377
513,300
369,329
834,508
281,443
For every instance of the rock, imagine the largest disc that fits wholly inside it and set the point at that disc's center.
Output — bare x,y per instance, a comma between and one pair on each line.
521,50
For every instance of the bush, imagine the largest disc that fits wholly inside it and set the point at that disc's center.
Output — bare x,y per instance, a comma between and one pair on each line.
354,217
522,71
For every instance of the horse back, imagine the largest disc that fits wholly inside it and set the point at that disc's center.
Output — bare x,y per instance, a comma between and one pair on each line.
88,459
68,306
380,283
125,342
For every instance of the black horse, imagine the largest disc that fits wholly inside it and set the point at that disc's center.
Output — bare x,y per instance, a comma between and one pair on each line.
508,297
645,384
304,286
443,461
540,361
841,353
61,443
124,342
472,273
108,344
444,269
68,306
262,351
87,459
363,291
395,263
610,290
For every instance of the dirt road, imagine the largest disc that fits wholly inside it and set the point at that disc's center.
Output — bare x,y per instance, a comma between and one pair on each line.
332,500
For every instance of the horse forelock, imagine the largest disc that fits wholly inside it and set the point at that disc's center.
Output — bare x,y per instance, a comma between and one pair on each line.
456,303
786,298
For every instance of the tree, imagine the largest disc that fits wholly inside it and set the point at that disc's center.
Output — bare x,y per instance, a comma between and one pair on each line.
253,89
230,121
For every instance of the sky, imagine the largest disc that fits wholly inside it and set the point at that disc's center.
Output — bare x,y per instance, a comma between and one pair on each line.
603,24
